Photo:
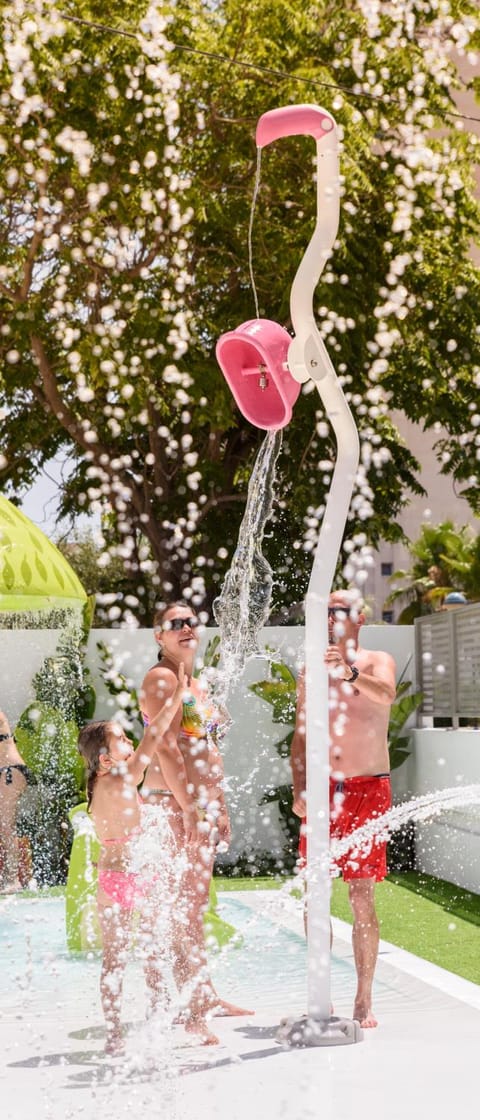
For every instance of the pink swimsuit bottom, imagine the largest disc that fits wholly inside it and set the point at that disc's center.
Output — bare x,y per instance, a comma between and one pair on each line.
123,887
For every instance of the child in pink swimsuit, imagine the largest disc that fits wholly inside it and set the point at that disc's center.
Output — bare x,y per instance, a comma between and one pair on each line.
114,770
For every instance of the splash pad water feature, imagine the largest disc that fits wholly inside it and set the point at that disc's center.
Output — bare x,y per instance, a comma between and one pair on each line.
273,435
258,360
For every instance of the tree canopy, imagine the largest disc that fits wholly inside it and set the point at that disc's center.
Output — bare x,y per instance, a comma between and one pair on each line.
128,167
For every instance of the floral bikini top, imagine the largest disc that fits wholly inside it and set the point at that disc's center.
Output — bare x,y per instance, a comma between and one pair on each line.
200,719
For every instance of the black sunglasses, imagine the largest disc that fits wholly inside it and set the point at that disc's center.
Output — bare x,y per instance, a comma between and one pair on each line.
332,611
179,623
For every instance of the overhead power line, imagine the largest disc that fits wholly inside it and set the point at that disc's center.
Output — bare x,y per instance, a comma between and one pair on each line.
253,66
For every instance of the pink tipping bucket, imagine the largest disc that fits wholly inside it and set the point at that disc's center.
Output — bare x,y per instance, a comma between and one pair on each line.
253,359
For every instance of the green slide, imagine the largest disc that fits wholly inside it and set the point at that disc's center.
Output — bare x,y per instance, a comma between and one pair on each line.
83,930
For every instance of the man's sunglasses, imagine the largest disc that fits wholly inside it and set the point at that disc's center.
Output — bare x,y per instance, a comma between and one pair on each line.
332,611
179,623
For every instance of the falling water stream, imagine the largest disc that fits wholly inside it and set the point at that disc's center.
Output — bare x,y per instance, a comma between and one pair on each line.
243,606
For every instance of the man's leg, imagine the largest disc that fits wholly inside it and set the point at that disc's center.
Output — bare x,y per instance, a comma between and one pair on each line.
365,938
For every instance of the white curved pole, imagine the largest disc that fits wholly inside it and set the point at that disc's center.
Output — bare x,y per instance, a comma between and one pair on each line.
308,358
317,704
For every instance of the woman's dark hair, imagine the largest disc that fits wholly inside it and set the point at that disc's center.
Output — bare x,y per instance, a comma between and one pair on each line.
159,616
92,742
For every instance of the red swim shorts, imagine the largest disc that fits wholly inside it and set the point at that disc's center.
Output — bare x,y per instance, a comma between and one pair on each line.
353,802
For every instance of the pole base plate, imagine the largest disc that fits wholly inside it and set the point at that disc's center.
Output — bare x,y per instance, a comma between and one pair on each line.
319,1032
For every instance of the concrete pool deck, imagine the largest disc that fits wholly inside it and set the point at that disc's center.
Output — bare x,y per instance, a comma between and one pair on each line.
421,1060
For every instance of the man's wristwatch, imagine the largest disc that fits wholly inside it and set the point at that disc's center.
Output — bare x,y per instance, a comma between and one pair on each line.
354,675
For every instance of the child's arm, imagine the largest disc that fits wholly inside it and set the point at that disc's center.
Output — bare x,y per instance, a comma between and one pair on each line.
155,731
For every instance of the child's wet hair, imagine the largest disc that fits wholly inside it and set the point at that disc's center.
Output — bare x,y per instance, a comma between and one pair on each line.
92,742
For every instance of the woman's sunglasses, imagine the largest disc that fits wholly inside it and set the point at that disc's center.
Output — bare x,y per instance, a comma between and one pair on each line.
179,623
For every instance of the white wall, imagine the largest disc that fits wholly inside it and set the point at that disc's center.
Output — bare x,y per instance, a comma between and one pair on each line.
22,652
448,847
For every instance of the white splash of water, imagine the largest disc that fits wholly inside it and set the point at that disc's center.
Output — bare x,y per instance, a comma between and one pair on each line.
159,867
243,605
423,808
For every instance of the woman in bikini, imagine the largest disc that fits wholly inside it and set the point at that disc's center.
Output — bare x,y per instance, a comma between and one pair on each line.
114,771
186,778
14,778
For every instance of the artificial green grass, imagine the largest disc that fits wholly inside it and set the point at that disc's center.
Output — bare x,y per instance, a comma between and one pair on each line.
431,918
41,892
263,883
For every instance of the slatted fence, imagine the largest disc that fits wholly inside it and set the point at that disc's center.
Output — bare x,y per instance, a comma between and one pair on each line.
447,646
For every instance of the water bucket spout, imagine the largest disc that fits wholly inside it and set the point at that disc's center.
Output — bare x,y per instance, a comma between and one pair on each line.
293,120
253,359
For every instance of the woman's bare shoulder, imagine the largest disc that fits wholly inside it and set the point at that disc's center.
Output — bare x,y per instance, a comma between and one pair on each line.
159,673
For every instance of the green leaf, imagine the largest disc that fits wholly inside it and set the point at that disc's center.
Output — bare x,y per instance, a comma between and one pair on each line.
280,695
283,746
399,752
86,704
402,710
281,672
212,653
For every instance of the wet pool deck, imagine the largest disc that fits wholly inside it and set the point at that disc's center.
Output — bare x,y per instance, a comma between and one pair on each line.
422,1060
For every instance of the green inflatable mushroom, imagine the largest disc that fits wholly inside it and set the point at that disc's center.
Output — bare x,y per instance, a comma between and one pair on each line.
34,576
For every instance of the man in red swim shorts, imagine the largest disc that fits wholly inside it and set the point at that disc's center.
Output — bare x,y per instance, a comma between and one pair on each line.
361,692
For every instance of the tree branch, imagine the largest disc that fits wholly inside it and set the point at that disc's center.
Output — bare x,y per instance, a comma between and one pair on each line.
23,290
222,500
61,411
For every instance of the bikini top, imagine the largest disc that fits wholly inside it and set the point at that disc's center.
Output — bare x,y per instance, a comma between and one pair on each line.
200,719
